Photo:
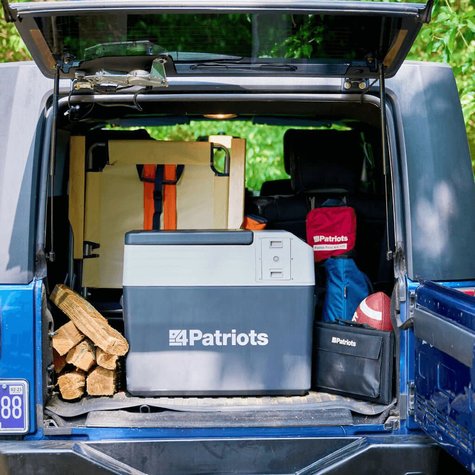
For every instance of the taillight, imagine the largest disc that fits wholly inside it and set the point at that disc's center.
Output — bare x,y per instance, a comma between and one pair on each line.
467,290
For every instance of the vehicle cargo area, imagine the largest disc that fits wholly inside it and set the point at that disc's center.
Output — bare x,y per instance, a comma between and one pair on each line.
183,262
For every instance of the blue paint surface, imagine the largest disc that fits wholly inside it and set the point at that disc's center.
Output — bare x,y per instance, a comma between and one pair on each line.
17,338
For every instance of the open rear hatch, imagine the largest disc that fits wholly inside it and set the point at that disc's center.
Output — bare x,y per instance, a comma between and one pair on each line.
101,42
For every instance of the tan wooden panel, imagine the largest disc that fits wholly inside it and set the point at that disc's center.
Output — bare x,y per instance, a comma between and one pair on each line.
115,206
202,199
92,228
136,152
221,190
198,207
236,183
76,192
92,231
119,209
225,140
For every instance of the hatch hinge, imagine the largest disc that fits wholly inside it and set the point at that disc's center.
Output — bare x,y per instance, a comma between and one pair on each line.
411,400
392,423
426,12
400,274
65,62
9,14
355,85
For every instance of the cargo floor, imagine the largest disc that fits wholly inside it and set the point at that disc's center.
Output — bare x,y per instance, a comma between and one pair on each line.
313,409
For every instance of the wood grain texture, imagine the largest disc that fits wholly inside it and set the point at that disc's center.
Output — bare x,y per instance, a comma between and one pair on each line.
101,382
89,321
66,337
83,355
72,385
106,360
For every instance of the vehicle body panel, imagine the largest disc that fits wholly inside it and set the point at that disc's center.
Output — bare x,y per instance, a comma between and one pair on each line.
20,142
17,340
437,178
242,455
445,344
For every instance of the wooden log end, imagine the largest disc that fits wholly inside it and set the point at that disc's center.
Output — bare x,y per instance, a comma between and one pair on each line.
106,360
66,337
72,384
83,355
59,362
101,382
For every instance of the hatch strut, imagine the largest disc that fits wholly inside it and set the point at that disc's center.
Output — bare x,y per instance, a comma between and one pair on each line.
9,14
51,255
384,146
426,13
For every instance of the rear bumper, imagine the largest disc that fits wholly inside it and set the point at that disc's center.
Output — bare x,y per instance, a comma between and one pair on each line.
348,455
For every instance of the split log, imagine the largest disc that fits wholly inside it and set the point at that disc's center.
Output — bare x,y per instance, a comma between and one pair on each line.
66,337
106,360
59,362
89,321
83,355
71,385
101,382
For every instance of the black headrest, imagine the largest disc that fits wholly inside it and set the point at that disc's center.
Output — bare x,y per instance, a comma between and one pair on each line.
276,187
320,160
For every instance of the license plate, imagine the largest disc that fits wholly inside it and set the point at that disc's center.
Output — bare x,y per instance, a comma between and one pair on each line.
13,406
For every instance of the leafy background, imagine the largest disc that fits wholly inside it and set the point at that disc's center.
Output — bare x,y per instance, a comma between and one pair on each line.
450,38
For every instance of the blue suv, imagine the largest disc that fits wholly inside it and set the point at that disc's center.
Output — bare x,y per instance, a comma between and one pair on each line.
220,322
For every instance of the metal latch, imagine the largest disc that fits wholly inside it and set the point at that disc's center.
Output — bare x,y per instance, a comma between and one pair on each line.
355,85
88,249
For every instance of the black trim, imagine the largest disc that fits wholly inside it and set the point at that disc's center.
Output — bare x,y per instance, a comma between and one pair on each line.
343,455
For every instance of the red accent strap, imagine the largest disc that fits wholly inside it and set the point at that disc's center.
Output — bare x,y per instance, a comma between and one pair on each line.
148,174
169,198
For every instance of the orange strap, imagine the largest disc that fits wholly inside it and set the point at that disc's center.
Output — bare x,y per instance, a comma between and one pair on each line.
169,197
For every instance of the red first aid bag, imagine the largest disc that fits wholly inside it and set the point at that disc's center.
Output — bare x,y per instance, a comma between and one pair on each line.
331,231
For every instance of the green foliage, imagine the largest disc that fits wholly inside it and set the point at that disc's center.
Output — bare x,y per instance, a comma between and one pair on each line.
11,45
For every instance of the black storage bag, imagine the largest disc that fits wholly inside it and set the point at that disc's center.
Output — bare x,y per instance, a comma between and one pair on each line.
353,361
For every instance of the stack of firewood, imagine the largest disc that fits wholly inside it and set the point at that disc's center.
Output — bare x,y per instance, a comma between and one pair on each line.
88,345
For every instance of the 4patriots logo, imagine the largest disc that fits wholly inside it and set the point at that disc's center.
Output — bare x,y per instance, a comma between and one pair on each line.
342,341
330,243
194,337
